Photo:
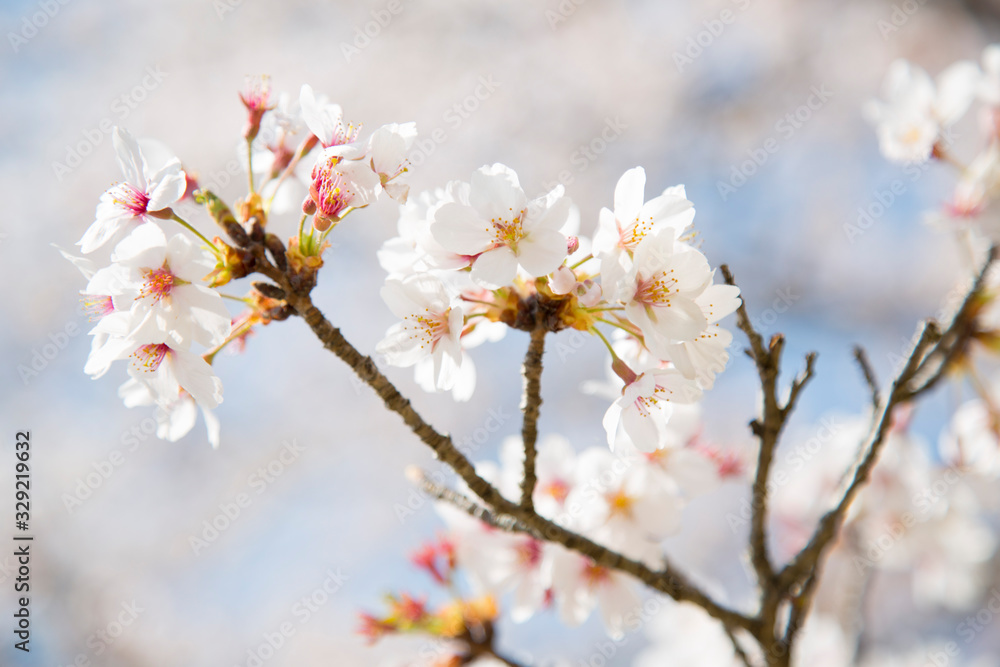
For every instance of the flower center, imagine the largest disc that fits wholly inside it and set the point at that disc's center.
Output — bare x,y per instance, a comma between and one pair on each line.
157,283
656,290
631,235
97,306
148,358
331,192
130,199
529,552
508,232
594,574
428,327
558,489
620,503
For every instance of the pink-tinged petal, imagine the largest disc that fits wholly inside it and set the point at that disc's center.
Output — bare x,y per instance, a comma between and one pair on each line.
629,194
129,157
166,186
542,252
495,268
459,229
195,376
495,193
563,280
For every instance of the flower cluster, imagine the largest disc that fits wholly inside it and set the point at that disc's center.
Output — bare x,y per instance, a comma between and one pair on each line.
914,124
627,500
158,299
477,255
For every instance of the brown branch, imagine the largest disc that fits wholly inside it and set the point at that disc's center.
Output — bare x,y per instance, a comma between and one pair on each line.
767,428
869,374
667,580
462,502
931,343
531,404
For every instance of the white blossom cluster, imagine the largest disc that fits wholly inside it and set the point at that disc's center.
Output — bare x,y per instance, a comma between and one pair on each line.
156,301
477,253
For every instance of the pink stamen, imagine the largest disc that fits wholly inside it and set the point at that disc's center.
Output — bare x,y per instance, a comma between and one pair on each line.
148,358
129,198
97,306
157,283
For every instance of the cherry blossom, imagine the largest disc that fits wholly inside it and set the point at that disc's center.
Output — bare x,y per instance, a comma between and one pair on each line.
502,229
431,327
135,200
645,406
917,111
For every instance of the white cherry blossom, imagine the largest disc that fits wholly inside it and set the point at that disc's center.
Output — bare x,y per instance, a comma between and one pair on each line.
131,202
502,229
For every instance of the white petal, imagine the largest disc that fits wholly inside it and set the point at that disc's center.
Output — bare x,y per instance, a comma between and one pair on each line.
629,194
458,228
129,157
495,268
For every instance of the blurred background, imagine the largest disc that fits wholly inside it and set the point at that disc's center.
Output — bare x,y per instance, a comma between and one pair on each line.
571,91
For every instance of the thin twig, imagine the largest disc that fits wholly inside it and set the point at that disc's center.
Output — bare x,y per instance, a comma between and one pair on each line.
740,653
462,502
869,374
531,403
